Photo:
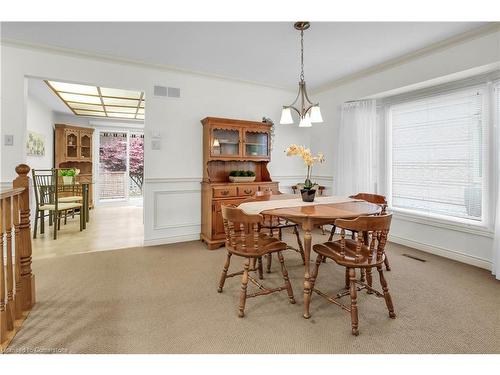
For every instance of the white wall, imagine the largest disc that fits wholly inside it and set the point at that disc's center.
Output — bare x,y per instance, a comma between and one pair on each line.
40,119
477,51
172,174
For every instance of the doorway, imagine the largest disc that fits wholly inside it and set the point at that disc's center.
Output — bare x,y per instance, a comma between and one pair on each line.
120,166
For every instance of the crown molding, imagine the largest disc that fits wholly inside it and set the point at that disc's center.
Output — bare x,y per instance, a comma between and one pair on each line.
425,51
131,62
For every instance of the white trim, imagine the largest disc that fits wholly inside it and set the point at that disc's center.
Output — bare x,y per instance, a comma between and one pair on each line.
440,223
165,180
172,239
490,28
441,251
138,63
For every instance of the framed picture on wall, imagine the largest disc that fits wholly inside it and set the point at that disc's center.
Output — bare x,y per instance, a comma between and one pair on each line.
35,144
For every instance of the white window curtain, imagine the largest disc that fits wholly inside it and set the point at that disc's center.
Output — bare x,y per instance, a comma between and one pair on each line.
357,147
496,242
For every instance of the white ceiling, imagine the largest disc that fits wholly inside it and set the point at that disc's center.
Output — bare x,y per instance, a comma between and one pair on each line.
256,51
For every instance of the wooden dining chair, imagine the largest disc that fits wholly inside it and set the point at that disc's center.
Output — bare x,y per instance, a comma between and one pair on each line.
46,187
275,224
365,252
244,239
375,199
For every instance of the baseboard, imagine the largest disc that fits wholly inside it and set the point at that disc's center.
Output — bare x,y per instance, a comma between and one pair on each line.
445,253
172,239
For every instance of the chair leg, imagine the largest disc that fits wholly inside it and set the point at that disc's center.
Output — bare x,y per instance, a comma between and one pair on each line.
50,218
82,221
37,214
58,214
42,222
362,275
285,277
280,234
65,217
260,269
243,293
224,272
55,224
269,260
314,275
353,291
299,243
347,279
386,262
332,233
387,296
369,279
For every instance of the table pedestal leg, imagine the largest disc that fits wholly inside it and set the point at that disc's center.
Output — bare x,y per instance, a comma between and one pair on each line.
307,283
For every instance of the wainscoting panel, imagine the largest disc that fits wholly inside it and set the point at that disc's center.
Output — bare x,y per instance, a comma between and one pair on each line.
172,210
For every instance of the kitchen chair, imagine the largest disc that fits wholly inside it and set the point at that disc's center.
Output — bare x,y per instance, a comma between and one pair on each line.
46,186
244,239
375,199
274,223
364,252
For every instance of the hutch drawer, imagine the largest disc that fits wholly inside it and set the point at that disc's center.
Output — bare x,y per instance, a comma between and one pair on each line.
225,192
247,190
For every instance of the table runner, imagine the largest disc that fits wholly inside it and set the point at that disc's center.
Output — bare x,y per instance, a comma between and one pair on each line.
252,208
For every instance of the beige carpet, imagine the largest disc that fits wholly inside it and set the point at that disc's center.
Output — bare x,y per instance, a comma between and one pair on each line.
163,299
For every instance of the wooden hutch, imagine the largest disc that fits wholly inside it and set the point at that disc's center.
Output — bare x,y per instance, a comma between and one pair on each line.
73,149
231,145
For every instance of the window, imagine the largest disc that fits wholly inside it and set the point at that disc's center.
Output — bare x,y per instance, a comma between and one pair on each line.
438,155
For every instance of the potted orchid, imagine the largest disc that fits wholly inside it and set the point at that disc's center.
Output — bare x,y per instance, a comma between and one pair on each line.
308,192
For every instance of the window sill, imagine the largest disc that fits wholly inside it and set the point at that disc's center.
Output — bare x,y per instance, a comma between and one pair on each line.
442,223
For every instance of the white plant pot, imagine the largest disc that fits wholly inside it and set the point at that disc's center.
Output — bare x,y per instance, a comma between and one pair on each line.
67,180
241,179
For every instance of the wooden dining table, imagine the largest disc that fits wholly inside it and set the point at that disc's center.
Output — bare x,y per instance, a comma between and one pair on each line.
313,215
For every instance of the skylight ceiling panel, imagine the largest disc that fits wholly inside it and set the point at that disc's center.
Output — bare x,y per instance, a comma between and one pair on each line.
117,93
74,88
88,107
85,99
121,115
89,113
121,109
120,102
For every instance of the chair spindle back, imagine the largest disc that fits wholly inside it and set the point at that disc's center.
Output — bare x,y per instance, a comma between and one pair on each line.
241,229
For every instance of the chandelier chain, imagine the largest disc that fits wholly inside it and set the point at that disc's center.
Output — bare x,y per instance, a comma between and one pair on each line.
302,55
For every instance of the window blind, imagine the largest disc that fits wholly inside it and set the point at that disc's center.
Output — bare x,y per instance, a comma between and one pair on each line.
438,154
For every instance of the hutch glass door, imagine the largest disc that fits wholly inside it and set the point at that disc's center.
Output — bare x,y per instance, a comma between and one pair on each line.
225,142
85,146
256,144
71,143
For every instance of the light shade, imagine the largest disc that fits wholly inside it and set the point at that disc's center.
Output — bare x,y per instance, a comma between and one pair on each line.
305,122
316,114
286,116
216,143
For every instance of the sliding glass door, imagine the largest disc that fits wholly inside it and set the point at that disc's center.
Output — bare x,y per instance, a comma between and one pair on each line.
121,165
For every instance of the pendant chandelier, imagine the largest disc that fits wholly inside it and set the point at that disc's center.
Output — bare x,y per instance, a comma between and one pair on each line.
308,112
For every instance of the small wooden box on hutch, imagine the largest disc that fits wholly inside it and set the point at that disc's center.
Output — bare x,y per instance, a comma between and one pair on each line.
231,145
74,149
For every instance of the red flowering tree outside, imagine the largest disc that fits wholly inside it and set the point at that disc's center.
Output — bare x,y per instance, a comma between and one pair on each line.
113,157
136,160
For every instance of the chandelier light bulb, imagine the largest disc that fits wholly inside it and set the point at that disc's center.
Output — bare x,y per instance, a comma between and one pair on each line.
286,116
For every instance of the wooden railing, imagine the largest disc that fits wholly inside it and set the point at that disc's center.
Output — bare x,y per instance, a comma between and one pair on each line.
17,282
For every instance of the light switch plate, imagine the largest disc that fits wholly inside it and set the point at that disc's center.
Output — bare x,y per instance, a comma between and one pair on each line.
8,140
155,144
